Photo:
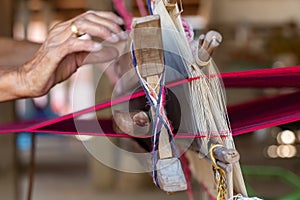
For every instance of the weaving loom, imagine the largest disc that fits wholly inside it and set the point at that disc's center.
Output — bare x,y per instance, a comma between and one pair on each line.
241,123
206,115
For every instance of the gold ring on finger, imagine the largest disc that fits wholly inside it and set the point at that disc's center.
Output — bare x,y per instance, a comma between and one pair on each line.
75,30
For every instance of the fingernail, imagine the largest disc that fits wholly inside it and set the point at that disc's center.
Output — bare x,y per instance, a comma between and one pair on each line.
113,38
97,46
120,21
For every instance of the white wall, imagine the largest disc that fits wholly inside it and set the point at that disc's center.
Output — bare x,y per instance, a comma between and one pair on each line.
255,11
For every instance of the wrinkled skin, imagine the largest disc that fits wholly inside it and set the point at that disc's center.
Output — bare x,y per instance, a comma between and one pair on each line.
61,54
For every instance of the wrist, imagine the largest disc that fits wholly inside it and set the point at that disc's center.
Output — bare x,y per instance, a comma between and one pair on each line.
31,76
9,84
21,87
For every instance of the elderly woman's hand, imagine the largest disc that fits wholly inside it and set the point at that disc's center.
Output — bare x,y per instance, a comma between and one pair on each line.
64,51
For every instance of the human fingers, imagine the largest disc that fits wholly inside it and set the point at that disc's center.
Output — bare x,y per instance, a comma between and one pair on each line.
105,26
110,22
109,15
78,45
106,54
84,25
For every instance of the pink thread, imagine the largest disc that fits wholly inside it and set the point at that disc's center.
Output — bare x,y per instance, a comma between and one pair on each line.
188,176
141,6
242,123
188,29
120,7
211,196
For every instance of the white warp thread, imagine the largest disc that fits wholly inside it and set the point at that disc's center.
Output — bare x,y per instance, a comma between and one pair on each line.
240,197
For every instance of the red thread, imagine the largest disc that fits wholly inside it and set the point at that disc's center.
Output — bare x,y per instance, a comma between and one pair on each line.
141,7
244,118
188,176
122,10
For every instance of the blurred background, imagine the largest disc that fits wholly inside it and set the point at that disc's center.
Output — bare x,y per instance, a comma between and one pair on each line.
256,34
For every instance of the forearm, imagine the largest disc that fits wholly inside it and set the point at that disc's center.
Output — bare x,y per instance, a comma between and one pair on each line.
32,79
14,53
10,84
22,70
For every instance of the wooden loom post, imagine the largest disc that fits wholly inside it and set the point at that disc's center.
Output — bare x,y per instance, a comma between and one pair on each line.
148,49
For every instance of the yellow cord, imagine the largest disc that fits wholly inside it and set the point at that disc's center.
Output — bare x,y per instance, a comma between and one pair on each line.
219,174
